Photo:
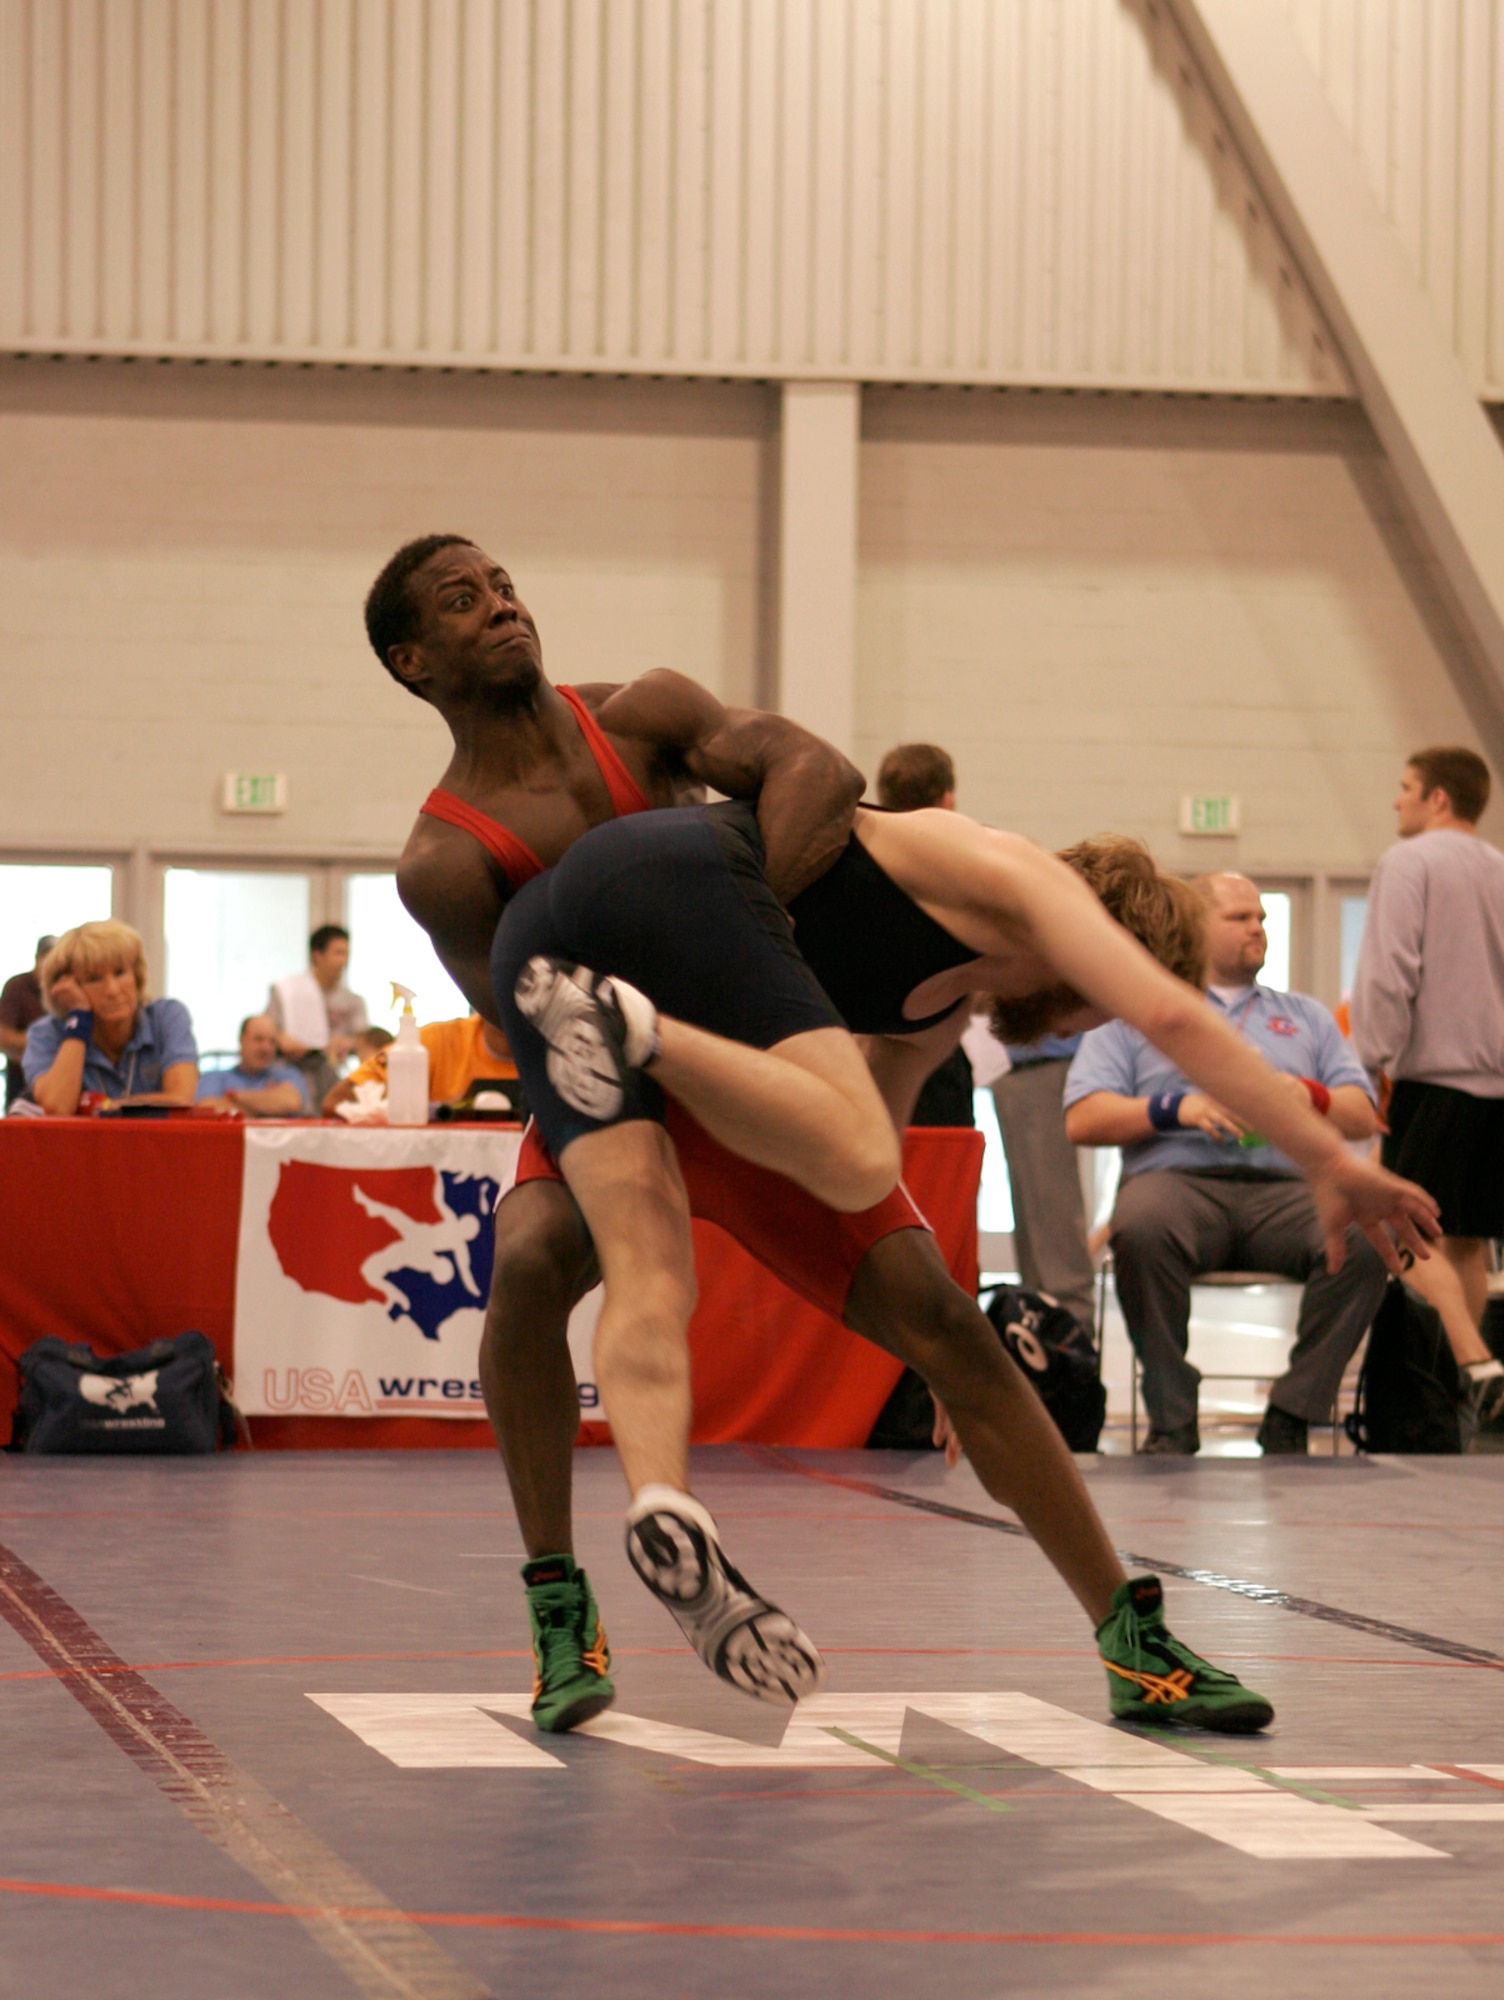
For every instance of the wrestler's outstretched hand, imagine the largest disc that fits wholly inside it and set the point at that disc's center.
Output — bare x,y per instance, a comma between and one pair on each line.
1392,1213
944,1436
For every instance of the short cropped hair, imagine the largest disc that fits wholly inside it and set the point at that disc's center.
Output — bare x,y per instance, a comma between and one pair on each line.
915,775
90,949
1460,773
325,935
391,615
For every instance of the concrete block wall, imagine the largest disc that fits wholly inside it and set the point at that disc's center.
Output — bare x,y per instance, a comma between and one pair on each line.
1097,602
184,552
1101,603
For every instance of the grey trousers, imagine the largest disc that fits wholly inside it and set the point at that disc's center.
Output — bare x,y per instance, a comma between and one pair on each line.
1171,1226
1049,1221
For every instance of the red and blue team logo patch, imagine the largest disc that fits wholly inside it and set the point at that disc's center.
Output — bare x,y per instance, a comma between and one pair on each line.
1281,1024
415,1240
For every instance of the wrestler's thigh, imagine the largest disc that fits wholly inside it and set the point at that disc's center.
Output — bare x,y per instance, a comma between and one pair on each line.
544,1256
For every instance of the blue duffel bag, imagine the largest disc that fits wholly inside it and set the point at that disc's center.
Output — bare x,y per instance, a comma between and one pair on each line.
169,1397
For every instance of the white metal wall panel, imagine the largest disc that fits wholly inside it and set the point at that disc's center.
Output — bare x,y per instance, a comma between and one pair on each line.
1418,86
1024,191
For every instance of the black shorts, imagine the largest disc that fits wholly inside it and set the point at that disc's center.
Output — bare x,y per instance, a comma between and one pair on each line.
1452,1143
676,903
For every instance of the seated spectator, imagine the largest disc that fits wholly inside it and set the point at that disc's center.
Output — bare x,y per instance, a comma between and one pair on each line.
21,1003
259,1086
459,1052
1201,1194
101,1034
316,1015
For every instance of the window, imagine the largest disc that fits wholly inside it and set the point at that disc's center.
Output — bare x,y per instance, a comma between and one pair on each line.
38,899
1354,916
230,932
385,945
1276,972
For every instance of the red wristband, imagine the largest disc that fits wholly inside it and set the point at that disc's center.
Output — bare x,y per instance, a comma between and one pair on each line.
1321,1097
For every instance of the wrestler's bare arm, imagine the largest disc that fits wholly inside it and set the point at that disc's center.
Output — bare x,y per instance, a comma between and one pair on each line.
447,884
806,791
1001,893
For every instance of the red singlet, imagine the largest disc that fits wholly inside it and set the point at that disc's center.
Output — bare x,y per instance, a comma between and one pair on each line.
518,861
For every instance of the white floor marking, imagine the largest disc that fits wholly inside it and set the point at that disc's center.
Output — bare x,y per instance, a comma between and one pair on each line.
1211,1797
440,1732
1356,1774
1443,1809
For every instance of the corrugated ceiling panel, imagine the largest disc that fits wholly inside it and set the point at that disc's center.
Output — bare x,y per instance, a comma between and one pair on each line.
940,190
1418,86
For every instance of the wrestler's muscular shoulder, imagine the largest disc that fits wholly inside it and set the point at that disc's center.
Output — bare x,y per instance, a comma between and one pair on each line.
655,723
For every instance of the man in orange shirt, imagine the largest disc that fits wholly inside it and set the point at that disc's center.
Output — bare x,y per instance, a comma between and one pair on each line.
458,1053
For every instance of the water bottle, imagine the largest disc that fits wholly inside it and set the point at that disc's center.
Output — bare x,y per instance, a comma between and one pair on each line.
406,1068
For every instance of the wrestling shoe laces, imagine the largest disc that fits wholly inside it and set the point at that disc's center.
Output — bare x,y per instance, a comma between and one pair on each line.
597,1030
1154,1677
673,1546
571,1659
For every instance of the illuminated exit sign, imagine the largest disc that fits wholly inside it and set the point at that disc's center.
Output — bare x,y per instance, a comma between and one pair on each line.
255,792
1210,812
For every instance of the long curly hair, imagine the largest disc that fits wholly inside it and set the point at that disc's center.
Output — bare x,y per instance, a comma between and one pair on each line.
1167,916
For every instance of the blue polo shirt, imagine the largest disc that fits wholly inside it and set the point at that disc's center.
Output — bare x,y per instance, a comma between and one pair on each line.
1291,1031
219,1082
162,1036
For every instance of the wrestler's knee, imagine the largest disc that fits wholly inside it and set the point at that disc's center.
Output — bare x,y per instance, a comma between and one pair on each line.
543,1264
904,1299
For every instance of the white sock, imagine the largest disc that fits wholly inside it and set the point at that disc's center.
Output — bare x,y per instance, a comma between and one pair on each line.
1483,1371
671,1500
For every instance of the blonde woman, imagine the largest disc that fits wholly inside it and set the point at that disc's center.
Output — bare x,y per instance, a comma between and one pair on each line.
101,1033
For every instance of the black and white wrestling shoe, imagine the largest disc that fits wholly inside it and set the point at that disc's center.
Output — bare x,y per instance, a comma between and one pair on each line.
597,1030
673,1546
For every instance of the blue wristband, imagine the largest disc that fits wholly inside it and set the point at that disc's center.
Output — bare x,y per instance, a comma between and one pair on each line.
1164,1109
78,1026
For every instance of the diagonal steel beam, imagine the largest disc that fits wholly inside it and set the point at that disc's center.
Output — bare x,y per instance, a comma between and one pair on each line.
1439,441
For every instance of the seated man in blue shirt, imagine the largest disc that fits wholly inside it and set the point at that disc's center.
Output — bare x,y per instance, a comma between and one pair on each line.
259,1086
1200,1193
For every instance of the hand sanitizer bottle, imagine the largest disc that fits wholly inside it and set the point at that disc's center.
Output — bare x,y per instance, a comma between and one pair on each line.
406,1068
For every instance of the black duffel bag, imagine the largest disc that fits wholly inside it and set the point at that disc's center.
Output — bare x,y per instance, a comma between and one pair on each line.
169,1397
1409,1389
1057,1355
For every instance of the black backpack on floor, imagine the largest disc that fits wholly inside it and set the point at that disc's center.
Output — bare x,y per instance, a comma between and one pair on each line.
1057,1355
1409,1388
169,1397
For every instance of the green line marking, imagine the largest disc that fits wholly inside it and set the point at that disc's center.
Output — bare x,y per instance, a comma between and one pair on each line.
1296,1785
987,1799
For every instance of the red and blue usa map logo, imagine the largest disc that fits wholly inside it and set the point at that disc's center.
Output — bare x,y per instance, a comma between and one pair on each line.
415,1240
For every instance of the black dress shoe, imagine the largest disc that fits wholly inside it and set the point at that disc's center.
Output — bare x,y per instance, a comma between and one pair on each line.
1182,1442
1281,1433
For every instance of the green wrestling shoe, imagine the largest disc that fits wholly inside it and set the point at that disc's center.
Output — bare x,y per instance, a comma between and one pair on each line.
1152,1677
573,1661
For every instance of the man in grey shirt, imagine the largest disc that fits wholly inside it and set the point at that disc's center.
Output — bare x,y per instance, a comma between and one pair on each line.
1428,1009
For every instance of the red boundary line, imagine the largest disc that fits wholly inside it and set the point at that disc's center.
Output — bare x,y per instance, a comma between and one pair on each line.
780,1933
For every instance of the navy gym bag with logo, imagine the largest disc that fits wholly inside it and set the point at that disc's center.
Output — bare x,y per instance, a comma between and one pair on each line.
169,1397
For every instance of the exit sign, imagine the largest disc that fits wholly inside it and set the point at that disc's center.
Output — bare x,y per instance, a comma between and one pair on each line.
255,792
1210,812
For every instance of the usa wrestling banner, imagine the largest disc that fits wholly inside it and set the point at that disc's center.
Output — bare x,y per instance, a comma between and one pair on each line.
364,1267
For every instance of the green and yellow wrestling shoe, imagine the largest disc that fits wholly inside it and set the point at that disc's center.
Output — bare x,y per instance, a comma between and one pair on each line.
1152,1677
573,1661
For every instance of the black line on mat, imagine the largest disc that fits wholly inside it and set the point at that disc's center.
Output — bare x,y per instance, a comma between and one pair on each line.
1260,1593
383,1953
